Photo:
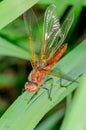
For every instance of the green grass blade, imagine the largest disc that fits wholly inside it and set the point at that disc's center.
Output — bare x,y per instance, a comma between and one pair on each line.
25,115
51,121
10,10
9,49
61,2
75,118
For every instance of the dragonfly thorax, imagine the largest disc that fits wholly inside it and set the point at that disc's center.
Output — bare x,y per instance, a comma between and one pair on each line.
43,64
36,76
35,81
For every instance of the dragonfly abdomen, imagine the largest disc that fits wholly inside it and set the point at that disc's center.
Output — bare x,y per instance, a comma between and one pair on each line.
53,61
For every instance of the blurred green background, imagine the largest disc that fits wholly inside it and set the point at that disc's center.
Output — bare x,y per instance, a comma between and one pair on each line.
14,51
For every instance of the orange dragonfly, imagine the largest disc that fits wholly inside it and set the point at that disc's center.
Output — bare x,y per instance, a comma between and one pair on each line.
51,51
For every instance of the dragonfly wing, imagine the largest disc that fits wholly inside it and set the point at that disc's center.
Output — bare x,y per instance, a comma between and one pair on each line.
63,33
58,75
31,23
53,34
67,24
51,30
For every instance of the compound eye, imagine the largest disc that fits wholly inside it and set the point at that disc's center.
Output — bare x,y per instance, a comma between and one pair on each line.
30,87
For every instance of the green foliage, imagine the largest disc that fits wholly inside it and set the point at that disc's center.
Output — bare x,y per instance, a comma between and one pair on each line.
51,121
10,10
9,49
34,110
25,114
76,116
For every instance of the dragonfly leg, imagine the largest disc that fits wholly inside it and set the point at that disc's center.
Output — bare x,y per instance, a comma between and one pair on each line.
36,92
61,85
51,83
49,94
48,80
32,97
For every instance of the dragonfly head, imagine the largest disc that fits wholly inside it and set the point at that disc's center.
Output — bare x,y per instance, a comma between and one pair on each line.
31,87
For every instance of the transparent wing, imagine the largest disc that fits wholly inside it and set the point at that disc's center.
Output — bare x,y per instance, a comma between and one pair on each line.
67,24
58,75
31,24
53,33
63,33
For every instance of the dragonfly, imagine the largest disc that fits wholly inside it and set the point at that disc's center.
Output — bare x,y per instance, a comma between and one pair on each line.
52,49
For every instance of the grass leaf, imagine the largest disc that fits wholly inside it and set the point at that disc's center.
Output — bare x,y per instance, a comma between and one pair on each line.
51,121
75,118
10,10
9,49
25,115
